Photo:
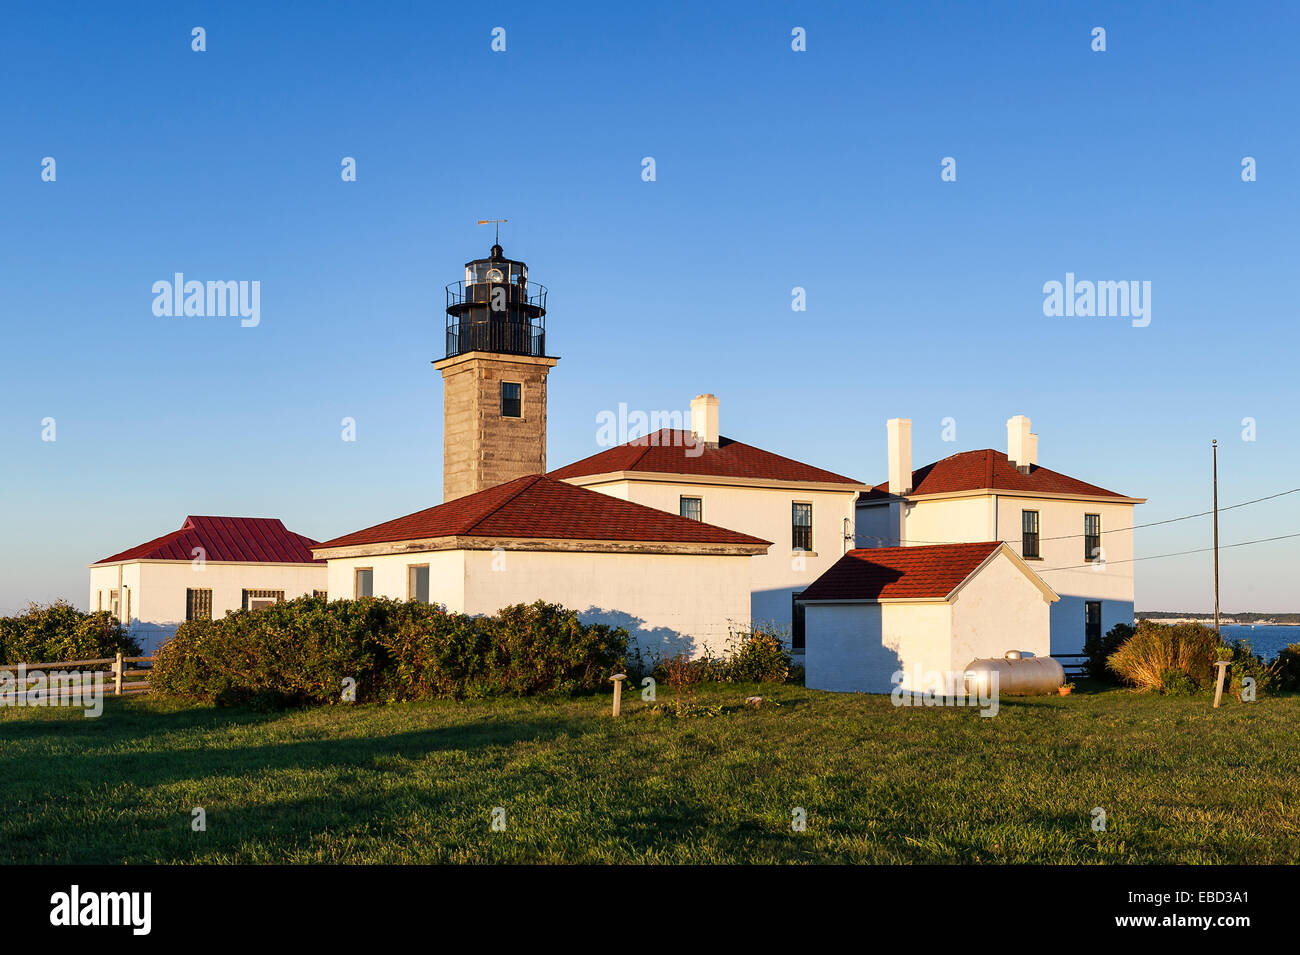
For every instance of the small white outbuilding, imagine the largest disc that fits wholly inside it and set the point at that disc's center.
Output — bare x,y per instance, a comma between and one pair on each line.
922,611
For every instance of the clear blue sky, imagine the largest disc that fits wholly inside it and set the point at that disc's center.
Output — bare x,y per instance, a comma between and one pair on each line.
775,169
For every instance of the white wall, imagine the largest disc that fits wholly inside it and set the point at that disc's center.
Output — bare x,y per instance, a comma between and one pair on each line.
999,610
158,587
1110,582
764,513
669,603
446,576
858,647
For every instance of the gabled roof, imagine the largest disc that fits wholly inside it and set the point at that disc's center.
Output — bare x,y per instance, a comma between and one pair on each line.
903,573
988,470
253,540
538,507
675,451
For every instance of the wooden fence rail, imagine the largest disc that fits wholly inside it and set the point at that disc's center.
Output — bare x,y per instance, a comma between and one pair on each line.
116,666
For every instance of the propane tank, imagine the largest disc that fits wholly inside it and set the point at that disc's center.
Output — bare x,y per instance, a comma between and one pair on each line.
1017,675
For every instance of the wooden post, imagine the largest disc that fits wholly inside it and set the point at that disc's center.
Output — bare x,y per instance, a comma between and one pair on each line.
617,679
1218,686
117,675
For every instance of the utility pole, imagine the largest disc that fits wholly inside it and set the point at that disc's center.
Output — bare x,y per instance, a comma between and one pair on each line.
1215,445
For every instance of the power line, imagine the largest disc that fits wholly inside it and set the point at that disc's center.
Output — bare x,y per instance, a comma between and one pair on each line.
1117,530
1180,553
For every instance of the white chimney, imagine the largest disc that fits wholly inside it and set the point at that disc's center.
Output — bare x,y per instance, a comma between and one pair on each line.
1022,447
900,455
704,419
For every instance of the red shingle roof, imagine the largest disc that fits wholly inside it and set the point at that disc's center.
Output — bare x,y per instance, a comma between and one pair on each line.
244,539
882,573
673,451
540,507
988,470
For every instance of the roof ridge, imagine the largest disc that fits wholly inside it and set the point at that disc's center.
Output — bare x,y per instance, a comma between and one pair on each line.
523,486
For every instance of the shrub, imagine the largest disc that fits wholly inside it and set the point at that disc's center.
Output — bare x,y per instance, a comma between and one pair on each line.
757,656
1245,663
1155,650
1286,668
301,652
59,631
1099,650
1176,683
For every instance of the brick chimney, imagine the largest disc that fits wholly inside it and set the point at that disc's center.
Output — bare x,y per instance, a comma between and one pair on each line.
900,455
1022,447
704,420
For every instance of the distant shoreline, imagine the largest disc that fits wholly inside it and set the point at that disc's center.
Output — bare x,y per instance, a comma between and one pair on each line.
1225,619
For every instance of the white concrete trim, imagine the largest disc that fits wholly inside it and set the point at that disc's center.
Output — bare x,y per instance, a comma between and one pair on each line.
662,477
557,545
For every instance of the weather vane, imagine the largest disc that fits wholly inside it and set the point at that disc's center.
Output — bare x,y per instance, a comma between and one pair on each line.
498,225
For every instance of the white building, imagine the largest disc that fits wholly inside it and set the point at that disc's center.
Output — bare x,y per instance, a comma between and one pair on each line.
1077,536
677,585
704,476
209,566
924,611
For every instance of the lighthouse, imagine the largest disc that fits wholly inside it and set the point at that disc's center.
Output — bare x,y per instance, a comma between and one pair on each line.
494,377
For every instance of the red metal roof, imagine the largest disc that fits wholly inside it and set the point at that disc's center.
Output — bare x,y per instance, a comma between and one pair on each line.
674,451
988,470
883,573
536,506
245,539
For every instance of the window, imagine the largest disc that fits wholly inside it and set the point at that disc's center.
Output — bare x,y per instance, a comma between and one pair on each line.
1029,534
417,583
512,399
364,582
801,527
324,594
692,507
1091,536
257,599
115,601
198,604
796,622
1092,620
128,604
99,595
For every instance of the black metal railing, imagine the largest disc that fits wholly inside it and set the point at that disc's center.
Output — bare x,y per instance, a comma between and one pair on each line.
532,295
505,336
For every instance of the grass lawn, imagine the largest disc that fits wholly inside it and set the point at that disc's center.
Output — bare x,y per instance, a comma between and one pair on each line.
1179,782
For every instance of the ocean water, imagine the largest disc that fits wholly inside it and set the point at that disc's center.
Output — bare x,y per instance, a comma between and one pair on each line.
1267,641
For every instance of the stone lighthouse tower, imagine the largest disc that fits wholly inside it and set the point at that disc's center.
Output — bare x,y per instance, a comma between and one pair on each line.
493,377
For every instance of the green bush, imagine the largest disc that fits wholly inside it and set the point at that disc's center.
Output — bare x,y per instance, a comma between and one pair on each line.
306,651
1099,650
1155,650
1286,668
753,655
757,656
1245,663
1176,683
57,632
